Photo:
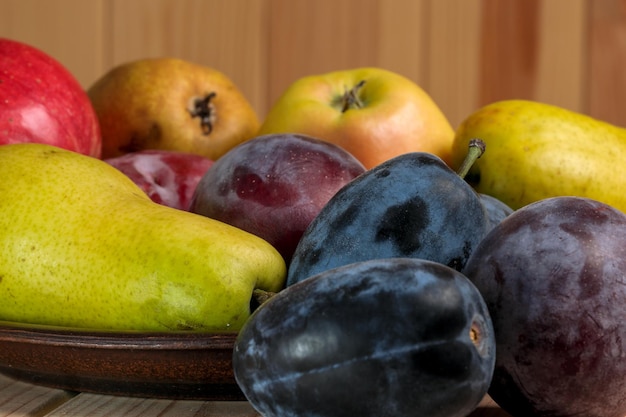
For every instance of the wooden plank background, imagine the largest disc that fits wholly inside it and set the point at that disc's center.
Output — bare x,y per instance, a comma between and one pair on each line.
465,53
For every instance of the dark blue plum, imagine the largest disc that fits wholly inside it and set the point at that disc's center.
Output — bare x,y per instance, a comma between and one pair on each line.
553,275
496,209
413,206
386,337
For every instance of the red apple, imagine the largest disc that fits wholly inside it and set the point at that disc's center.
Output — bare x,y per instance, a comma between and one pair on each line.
274,185
168,177
41,101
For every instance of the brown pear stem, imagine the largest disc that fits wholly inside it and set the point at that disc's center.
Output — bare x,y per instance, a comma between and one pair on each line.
204,109
476,149
260,296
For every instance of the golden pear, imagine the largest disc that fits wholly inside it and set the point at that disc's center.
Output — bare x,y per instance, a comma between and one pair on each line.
170,104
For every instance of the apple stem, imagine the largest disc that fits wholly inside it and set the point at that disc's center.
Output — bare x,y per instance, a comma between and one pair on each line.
351,98
476,149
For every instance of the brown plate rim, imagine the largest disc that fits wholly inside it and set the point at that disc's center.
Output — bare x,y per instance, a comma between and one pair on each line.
85,337
173,365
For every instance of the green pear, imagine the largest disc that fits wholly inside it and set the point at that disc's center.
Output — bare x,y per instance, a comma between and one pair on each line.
536,150
82,246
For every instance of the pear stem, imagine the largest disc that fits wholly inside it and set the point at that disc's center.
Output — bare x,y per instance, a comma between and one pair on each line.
260,296
204,109
476,149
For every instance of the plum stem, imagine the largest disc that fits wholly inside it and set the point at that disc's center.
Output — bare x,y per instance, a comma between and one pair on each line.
476,148
350,98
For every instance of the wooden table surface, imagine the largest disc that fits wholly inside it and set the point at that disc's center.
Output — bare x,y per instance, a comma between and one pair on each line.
20,399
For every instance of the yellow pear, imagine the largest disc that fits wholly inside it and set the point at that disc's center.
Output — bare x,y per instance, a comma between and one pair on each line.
82,246
536,150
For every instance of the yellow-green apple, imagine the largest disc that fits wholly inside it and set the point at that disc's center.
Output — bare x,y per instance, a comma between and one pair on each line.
168,177
41,101
373,113
170,104
274,185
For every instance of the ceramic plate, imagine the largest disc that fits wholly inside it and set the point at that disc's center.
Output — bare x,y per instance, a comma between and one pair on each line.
157,365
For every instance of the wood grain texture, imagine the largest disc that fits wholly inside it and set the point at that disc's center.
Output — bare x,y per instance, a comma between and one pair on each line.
69,30
562,50
225,35
404,38
464,53
607,61
454,56
307,38
533,49
21,399
509,45
18,399
488,408
93,405
314,37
